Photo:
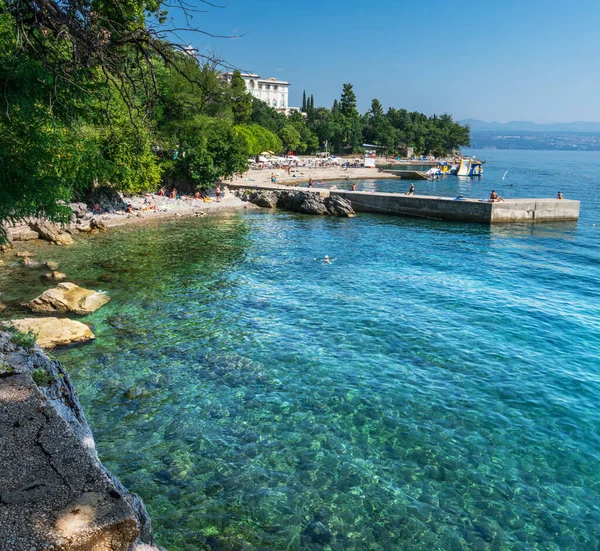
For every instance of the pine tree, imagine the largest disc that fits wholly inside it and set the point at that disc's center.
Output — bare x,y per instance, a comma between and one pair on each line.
241,101
304,105
376,110
348,102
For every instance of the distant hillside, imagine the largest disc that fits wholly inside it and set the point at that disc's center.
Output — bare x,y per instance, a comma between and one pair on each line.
528,126
518,139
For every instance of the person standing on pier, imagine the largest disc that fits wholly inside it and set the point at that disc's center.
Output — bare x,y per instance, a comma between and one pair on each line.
411,191
310,182
495,198
560,195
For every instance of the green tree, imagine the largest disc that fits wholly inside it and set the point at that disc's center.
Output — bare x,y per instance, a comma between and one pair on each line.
266,116
241,101
290,137
376,111
348,102
304,104
208,149
258,139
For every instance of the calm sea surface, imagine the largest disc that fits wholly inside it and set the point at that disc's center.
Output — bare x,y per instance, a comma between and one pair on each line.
437,387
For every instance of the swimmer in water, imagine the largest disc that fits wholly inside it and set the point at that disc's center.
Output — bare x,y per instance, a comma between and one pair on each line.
326,260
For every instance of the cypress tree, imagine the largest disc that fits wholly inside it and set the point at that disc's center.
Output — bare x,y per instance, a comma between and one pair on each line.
304,106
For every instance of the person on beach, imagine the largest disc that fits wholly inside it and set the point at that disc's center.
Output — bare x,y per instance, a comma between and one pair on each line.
173,194
495,198
129,209
218,194
353,186
161,192
197,195
310,182
560,195
411,190
96,209
273,179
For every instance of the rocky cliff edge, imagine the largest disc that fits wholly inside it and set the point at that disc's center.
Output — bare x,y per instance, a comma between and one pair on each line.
55,494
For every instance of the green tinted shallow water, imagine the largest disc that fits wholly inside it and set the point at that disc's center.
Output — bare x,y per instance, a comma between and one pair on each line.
436,387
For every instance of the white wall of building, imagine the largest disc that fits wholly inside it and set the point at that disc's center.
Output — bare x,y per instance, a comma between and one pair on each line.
270,90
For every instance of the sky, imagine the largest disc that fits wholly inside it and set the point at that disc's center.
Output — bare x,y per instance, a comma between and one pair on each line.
494,60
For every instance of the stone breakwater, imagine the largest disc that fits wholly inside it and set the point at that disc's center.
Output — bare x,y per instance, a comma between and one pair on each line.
54,491
304,202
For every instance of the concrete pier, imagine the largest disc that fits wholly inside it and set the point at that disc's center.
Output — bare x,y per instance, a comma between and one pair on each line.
447,208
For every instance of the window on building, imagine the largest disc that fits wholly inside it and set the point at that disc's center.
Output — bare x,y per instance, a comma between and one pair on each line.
251,84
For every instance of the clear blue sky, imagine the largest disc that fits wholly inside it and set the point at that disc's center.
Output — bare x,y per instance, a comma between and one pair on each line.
487,59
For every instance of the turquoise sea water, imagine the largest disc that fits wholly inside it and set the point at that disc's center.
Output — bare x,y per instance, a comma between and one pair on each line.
435,387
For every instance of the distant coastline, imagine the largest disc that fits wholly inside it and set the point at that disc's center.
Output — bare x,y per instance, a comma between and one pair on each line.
524,140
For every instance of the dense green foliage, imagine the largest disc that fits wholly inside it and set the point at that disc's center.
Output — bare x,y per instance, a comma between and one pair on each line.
81,111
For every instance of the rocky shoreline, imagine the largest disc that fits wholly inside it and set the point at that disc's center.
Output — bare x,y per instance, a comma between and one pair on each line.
304,202
54,491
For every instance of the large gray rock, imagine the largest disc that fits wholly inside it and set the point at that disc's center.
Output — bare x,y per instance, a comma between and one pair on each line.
338,206
109,200
68,297
51,232
54,492
305,202
265,199
79,209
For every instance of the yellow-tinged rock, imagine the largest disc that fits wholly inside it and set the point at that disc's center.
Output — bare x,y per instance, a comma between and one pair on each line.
68,297
53,332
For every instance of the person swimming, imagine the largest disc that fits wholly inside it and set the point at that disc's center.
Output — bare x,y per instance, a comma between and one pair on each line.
326,260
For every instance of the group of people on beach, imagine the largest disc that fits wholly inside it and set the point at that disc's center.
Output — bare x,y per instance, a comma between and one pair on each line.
198,194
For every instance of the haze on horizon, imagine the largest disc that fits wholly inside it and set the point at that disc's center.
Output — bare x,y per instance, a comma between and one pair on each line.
493,61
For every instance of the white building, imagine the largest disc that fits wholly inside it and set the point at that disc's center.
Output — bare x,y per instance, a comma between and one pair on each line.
270,90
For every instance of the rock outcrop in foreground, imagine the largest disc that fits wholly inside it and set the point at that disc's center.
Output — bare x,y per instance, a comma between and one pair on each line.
53,332
54,492
68,297
304,202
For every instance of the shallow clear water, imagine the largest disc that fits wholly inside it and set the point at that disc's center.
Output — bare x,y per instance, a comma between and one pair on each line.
435,387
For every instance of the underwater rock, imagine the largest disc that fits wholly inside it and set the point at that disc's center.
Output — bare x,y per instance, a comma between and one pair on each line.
139,391
51,232
23,254
53,332
51,265
317,532
27,261
55,276
54,492
68,297
2,306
